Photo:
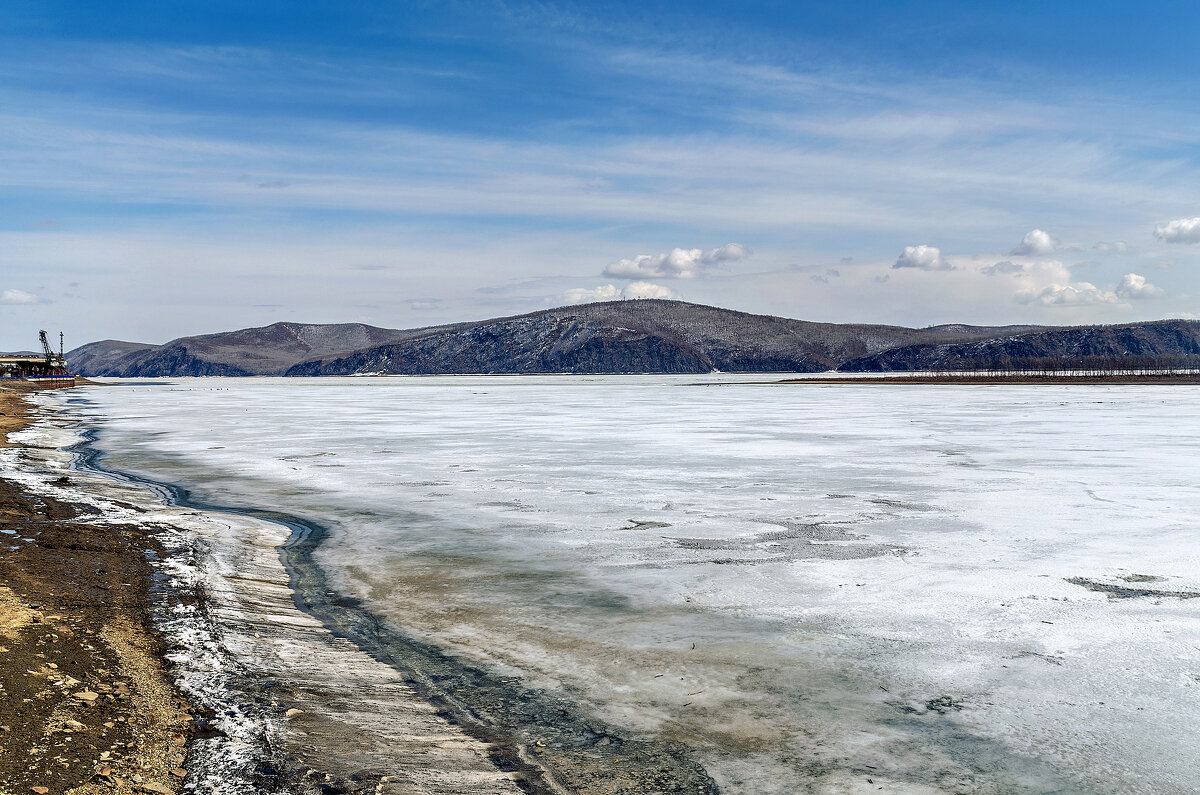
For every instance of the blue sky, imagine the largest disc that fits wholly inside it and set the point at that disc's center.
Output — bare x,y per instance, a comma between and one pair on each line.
179,168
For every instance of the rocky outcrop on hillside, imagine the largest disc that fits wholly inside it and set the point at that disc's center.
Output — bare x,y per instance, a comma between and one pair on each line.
521,345
106,357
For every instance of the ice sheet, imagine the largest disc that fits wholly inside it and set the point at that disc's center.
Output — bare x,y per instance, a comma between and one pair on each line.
941,588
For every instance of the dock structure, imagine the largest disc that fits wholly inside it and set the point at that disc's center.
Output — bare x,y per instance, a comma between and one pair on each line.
50,367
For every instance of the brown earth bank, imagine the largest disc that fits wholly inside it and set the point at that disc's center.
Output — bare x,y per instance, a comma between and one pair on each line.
86,705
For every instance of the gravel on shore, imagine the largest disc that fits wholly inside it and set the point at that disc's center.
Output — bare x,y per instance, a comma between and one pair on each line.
86,704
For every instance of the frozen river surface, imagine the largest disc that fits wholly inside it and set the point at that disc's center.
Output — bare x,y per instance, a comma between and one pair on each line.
940,589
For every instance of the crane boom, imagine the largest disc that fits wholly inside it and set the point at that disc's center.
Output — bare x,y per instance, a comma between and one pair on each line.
45,345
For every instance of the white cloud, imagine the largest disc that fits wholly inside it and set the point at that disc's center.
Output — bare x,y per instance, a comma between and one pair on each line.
679,263
610,292
1049,283
646,290
730,252
926,258
1037,243
583,295
1039,273
1112,247
1180,230
17,297
1073,294
997,268
1134,287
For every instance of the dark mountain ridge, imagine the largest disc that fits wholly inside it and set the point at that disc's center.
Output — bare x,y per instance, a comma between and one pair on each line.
269,350
614,337
1053,348
629,336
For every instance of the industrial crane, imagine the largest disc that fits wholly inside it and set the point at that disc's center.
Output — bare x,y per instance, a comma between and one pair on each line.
49,368
51,359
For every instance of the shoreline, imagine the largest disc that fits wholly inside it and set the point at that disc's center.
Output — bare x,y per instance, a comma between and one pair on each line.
540,741
293,688
280,703
86,702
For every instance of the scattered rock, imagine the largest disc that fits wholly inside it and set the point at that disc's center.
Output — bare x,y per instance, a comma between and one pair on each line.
293,712
943,704
87,695
75,725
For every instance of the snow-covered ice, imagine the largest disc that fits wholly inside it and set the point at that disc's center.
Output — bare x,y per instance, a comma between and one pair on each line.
941,588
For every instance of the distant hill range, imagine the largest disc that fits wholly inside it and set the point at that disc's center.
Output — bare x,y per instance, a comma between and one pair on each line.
651,336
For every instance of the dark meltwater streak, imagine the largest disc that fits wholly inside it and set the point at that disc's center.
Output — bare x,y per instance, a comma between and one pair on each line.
545,738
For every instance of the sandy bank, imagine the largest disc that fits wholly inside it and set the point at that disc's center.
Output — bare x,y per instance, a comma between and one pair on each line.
85,702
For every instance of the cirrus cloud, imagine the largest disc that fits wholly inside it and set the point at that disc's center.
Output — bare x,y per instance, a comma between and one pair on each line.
678,263
17,297
1180,230
1112,247
926,258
